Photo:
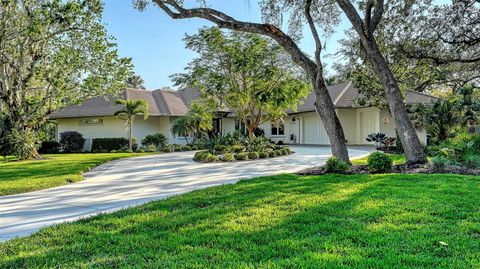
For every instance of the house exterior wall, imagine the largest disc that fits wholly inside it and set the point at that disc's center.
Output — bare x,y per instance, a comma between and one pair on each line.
112,127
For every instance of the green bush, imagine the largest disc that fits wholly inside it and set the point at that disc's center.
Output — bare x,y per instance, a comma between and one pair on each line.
211,158
151,148
334,165
201,156
263,155
272,154
49,147
220,148
237,148
177,148
140,150
278,152
109,144
159,140
379,162
113,151
439,163
285,151
253,155
167,149
186,148
194,147
472,161
228,157
242,156
73,141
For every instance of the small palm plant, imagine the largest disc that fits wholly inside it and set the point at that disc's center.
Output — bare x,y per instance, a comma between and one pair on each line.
131,108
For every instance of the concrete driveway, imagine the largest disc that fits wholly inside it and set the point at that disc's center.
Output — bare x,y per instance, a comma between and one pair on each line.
129,182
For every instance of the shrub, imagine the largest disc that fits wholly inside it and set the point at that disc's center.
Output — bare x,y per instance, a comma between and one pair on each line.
272,154
186,148
237,148
253,155
219,148
167,149
201,156
113,151
242,156
211,158
72,141
379,162
228,157
49,147
177,148
278,152
109,144
151,148
334,165
439,163
263,155
142,151
472,161
285,151
194,147
159,140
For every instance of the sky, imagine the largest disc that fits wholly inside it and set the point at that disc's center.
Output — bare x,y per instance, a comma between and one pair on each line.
154,41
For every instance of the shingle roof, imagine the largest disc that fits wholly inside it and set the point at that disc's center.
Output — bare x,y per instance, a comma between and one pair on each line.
176,103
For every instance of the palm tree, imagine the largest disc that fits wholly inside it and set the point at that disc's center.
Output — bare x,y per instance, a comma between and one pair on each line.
131,108
182,127
201,117
135,81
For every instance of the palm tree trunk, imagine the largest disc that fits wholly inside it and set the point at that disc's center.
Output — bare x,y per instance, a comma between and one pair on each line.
130,125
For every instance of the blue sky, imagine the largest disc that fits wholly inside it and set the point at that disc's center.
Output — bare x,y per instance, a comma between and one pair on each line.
154,41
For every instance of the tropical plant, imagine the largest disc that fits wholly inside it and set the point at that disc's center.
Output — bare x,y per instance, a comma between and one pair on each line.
158,140
135,81
53,53
131,108
182,127
376,138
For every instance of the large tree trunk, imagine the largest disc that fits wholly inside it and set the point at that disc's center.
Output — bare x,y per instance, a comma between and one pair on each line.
326,110
412,147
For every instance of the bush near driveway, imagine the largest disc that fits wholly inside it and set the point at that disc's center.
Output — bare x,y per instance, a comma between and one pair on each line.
285,221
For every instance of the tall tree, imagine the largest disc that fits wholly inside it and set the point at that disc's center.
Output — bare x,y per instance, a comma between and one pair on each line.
246,72
316,14
131,108
52,54
135,81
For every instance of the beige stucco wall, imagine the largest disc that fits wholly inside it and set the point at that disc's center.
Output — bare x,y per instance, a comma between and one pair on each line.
348,119
112,127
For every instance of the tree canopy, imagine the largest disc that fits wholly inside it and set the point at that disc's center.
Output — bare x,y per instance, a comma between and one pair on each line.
52,54
244,72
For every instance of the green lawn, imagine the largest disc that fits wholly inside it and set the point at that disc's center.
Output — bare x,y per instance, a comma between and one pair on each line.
286,221
54,170
396,158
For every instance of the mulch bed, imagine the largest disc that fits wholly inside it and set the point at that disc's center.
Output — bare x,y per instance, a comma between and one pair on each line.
400,169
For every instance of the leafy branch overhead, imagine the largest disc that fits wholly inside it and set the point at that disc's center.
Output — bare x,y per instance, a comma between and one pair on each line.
244,72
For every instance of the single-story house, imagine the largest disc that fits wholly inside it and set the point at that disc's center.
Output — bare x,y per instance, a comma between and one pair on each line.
94,118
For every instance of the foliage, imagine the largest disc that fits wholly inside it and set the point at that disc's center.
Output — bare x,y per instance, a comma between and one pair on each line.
272,154
131,108
253,155
397,159
135,82
263,155
228,157
49,147
439,163
242,156
182,127
377,138
53,54
159,140
111,143
51,171
256,144
463,149
23,143
379,162
72,141
334,165
246,72
441,118
414,211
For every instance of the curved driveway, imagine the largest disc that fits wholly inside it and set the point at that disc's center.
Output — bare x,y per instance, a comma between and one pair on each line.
129,182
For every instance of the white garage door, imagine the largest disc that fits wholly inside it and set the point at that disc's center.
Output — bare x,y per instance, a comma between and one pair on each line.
314,132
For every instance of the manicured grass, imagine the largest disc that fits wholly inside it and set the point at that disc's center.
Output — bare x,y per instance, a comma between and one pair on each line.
396,158
54,170
286,221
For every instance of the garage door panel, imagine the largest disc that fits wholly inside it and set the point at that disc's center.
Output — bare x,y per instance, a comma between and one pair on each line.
314,131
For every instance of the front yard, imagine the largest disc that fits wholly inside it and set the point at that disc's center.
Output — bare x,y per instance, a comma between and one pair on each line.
359,221
54,170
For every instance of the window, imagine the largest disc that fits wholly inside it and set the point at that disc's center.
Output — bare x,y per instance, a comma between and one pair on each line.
240,126
93,121
278,129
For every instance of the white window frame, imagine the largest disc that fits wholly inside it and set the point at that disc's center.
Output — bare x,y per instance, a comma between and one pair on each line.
91,121
276,127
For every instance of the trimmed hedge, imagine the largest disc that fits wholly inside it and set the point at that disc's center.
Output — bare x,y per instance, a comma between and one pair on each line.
253,155
49,147
379,162
109,144
242,156
72,141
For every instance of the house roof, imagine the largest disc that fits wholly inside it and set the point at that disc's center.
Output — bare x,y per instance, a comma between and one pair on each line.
163,102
